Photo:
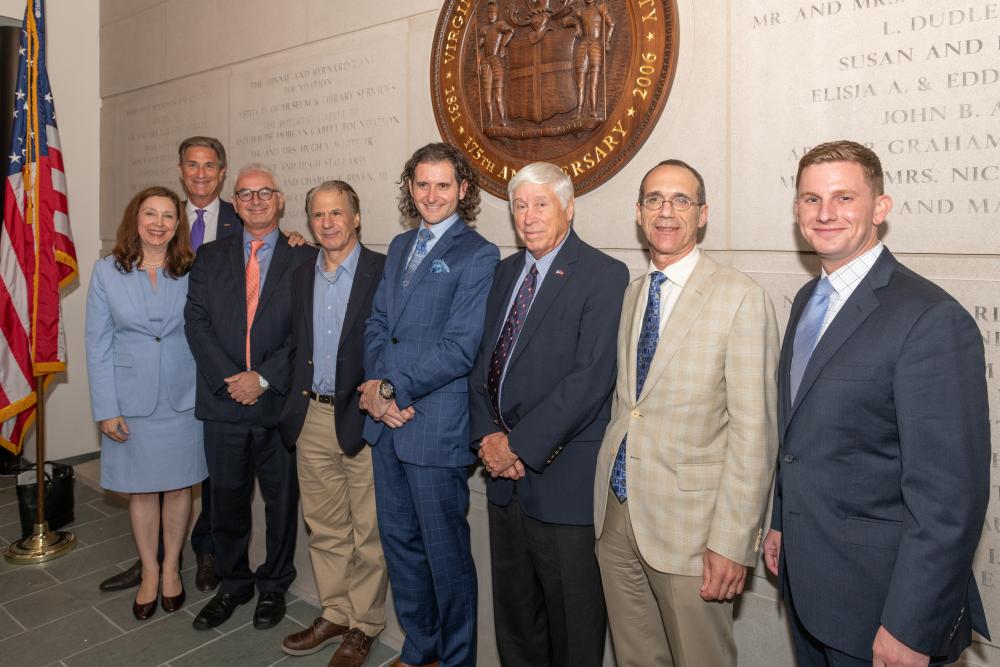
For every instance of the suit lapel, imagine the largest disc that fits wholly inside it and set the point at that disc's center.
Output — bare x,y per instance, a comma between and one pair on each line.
785,361
693,297
280,259
170,291
556,278
855,311
507,274
633,301
440,247
237,266
134,290
364,276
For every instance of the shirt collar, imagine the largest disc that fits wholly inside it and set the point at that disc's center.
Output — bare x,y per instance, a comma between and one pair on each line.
545,261
212,208
851,273
440,228
679,272
349,265
269,240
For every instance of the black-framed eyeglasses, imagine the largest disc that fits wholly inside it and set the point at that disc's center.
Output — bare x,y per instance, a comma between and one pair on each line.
678,203
264,194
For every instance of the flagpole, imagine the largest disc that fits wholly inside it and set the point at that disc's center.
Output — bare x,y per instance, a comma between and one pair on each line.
43,544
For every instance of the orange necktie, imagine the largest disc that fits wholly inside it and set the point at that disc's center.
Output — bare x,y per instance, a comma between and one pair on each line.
253,287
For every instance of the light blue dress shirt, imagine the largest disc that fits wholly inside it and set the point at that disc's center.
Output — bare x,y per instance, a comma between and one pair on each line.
331,292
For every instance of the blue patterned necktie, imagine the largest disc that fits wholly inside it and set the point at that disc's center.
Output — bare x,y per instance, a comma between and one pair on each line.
807,332
423,238
511,328
649,336
198,229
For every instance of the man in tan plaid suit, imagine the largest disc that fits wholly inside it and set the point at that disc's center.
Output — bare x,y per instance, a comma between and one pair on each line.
687,461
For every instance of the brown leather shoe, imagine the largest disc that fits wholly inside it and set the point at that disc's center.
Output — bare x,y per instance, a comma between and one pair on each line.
318,635
130,578
353,651
399,663
205,578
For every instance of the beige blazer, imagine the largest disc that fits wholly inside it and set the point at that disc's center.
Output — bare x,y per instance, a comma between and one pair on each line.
702,437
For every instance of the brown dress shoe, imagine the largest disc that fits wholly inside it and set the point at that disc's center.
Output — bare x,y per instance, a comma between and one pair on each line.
130,578
205,578
318,635
353,651
399,663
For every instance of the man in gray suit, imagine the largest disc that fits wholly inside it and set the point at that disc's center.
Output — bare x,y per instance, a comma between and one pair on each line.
883,423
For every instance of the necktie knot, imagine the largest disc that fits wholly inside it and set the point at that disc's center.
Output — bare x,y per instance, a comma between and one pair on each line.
425,235
656,280
255,245
824,288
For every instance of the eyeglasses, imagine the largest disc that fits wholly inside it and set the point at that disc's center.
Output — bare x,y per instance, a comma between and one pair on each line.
264,194
677,203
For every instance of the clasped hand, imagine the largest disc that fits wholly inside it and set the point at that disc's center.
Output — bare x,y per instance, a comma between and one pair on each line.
244,388
381,409
498,458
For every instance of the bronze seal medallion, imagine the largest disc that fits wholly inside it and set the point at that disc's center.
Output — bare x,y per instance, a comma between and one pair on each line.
579,83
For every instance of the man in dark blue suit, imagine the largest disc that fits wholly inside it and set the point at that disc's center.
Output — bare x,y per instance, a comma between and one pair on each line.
884,431
238,321
539,402
420,342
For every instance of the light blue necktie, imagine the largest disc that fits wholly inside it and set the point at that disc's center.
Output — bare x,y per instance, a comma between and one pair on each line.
419,252
649,336
807,332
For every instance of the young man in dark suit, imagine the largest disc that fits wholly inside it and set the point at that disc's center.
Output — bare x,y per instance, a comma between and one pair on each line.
331,299
883,422
238,320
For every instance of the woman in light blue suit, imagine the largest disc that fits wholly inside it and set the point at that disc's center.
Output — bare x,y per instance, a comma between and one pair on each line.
142,379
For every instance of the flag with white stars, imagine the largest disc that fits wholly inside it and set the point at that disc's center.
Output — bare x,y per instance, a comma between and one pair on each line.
37,257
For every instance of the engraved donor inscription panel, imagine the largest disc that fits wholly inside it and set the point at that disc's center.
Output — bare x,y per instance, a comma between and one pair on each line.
919,82
579,83
328,110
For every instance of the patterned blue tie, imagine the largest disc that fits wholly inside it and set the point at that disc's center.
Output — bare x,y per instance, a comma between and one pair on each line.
508,334
807,332
423,238
649,336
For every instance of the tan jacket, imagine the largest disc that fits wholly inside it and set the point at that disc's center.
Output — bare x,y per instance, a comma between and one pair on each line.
702,437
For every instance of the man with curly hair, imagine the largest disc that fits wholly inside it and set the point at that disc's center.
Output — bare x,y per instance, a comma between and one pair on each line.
420,342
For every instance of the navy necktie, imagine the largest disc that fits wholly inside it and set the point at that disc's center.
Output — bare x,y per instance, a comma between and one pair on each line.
508,334
419,252
807,333
198,229
649,336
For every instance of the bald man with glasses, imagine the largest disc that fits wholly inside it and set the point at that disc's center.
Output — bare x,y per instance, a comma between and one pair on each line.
687,460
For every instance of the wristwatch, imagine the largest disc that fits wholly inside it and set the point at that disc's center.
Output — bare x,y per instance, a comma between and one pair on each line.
386,390
264,384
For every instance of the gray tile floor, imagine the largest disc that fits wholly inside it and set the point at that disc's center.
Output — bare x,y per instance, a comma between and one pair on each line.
54,614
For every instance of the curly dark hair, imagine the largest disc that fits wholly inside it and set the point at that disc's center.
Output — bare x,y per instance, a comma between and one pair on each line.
128,246
468,206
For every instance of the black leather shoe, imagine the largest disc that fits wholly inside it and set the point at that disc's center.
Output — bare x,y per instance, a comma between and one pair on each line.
218,610
143,611
270,610
130,578
172,604
205,578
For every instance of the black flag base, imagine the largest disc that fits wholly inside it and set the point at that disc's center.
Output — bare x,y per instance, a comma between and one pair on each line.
40,546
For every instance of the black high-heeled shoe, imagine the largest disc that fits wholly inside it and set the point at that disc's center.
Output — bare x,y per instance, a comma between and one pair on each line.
174,603
143,611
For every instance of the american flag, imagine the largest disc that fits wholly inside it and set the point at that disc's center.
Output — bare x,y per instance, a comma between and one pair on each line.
37,256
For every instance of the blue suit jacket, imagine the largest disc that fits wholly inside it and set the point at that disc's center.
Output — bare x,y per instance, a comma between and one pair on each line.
424,340
884,468
126,353
215,323
557,392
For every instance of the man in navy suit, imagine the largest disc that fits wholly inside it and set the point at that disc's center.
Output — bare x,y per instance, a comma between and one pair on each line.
420,342
539,401
331,299
885,446
238,321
